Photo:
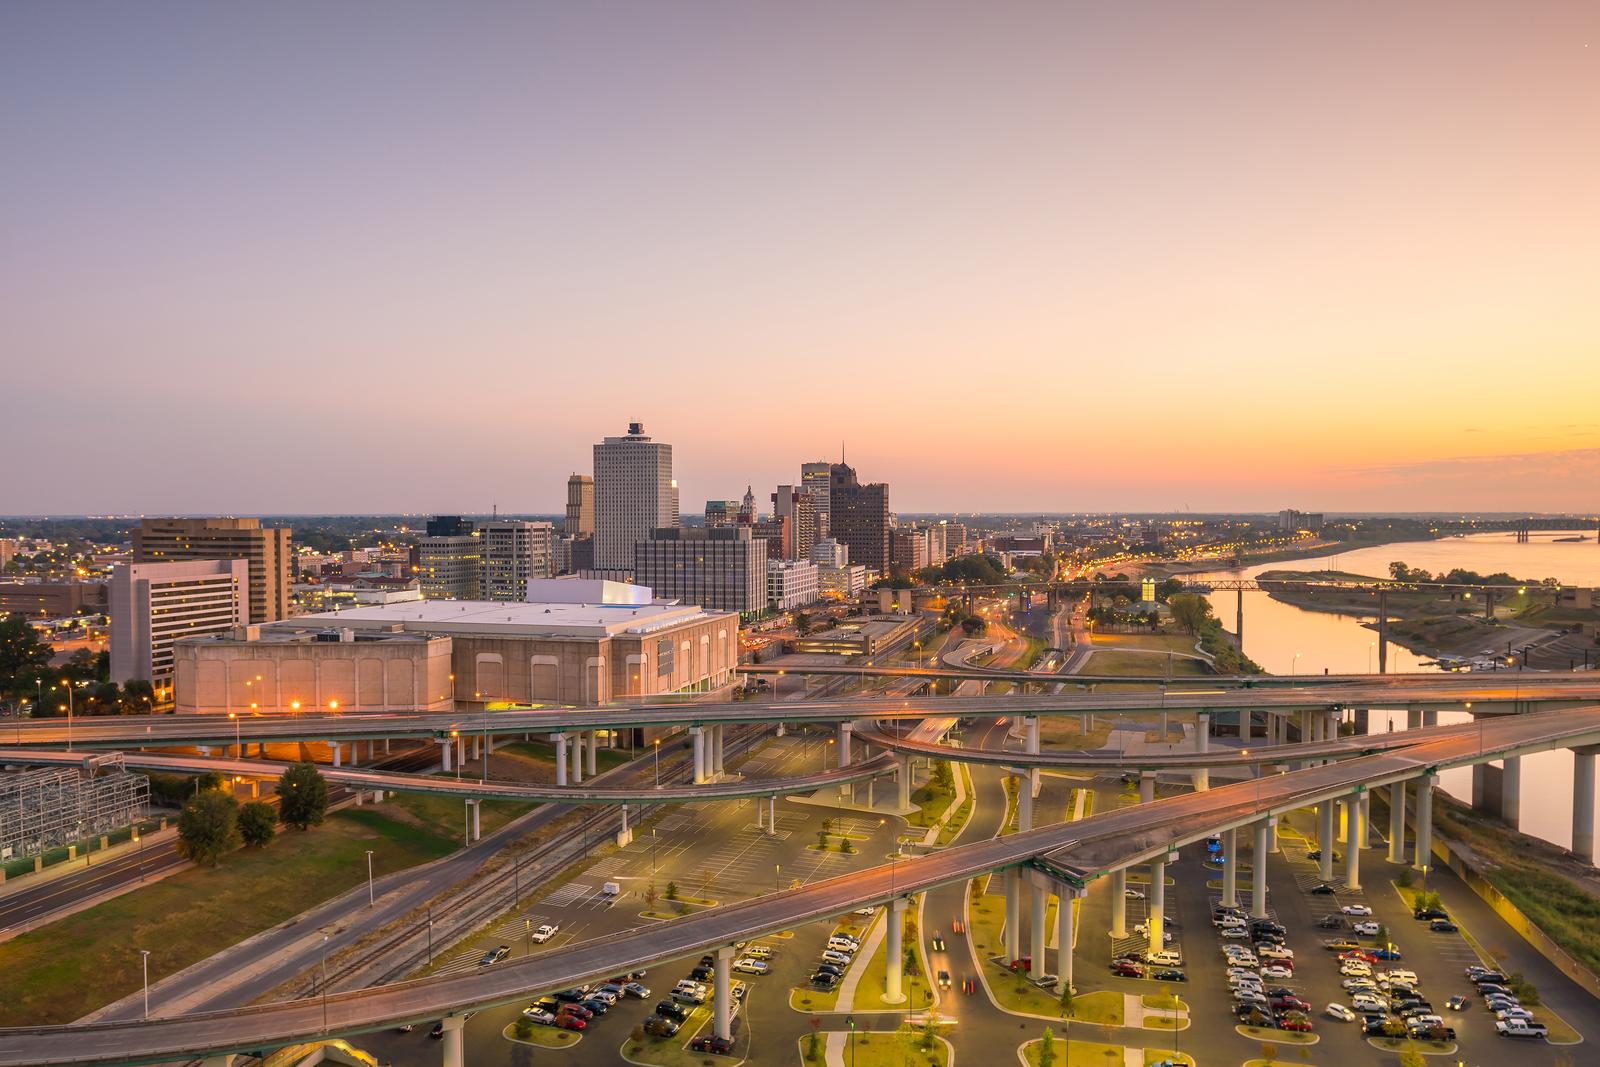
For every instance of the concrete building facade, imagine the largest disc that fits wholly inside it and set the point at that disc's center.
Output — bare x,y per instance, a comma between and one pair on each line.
580,506
513,551
266,550
155,604
858,517
791,584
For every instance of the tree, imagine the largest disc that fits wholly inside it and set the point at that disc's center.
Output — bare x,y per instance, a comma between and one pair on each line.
802,623
522,1029
822,840
208,826
672,890
845,845
930,1030
1066,1002
21,651
1190,611
258,822
302,796
1047,1048
1269,1052
138,696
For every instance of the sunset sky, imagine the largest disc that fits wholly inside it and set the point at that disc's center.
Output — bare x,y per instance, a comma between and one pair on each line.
314,257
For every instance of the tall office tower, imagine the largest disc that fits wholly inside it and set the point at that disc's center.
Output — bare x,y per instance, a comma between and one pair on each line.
580,506
721,513
266,550
154,604
633,494
955,538
938,549
800,508
724,569
514,550
450,560
816,480
909,546
858,517
747,506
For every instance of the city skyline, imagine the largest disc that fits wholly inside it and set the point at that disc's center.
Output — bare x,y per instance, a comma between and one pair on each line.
1092,239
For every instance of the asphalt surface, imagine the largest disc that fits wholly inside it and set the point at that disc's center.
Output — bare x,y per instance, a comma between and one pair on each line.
1079,851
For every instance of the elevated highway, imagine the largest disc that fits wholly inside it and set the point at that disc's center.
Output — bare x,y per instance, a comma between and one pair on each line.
1509,691
1071,855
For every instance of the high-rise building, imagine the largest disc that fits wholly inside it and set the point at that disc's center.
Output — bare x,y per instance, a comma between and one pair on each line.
580,506
154,604
800,508
450,560
815,479
722,569
513,551
8,551
776,533
633,494
266,550
910,548
721,512
791,583
829,553
858,517
747,506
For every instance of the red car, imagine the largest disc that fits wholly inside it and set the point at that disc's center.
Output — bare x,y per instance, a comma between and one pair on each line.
1295,1023
1359,954
711,1043
1288,1004
575,1009
1022,963
570,1022
1127,969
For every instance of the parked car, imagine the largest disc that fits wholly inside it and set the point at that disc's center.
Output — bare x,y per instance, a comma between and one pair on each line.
1295,1023
660,1026
1278,971
1387,952
1331,922
539,1017
495,955
711,1043
637,991
824,980
1322,889
1340,944
750,966
544,933
1430,913
575,1009
570,1022
1520,1028
1171,974
1366,929
1127,969
1442,926
1356,909
668,1009
1133,894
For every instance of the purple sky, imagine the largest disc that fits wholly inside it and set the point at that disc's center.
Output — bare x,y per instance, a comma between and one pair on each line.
301,257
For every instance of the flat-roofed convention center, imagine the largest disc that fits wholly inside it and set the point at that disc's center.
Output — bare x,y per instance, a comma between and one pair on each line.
574,641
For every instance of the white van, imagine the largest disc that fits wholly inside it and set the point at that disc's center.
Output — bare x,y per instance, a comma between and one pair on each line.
840,943
1166,958
835,957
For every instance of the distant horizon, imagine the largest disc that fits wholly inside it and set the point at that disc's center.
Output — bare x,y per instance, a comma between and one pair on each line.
1459,516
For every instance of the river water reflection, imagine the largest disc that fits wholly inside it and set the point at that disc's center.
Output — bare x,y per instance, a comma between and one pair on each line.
1288,640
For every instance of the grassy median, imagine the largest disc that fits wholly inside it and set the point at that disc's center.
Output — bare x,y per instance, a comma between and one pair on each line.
64,970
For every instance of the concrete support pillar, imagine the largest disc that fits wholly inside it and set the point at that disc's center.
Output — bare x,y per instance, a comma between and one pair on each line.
845,734
477,823
625,834
1258,870
560,742
894,953
1013,914
1583,804
1066,935
1024,803
447,746
1357,834
902,779
1413,718
576,770
1155,924
1147,786
338,752
1326,838
722,992
697,734
1424,850
1036,929
1119,903
1202,743
385,746
1430,717
1031,723
1364,837
461,749
1511,791
454,1051
1480,786
477,746
772,816
1397,822
589,754
1230,869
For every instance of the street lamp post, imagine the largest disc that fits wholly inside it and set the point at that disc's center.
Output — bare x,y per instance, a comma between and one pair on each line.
324,981
237,746
527,936
430,935
658,763
67,685
371,900
145,953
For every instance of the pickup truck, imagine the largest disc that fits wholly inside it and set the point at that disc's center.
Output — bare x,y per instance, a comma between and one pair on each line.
1520,1028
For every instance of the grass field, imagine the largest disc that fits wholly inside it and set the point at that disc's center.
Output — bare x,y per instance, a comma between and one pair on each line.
1121,664
67,969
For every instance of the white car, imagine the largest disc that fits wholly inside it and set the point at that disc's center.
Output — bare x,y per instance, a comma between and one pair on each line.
1340,1012
1408,977
1275,952
1368,1002
1234,931
1355,969
1514,1013
750,965
1367,929
1356,909
1249,996
838,959
1278,972
1133,894
545,933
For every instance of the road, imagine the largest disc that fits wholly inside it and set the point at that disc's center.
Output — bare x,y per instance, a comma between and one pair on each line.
1446,691
1080,852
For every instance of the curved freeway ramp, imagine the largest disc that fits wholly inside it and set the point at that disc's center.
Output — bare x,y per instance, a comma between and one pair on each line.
1078,851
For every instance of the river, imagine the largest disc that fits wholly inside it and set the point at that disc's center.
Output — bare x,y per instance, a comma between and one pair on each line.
1286,639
